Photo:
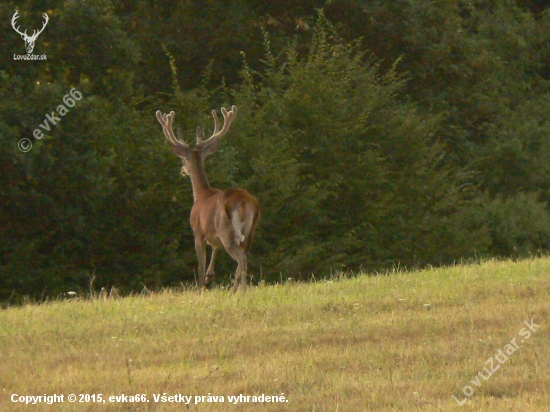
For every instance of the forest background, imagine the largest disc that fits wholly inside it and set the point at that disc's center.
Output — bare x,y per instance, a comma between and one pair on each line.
374,133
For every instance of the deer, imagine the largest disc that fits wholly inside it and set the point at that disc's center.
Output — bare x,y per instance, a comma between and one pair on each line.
29,40
223,219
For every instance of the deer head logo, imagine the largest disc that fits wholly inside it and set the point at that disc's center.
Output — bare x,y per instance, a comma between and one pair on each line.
29,40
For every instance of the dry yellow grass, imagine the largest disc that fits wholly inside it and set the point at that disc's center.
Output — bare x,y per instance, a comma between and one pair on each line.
406,341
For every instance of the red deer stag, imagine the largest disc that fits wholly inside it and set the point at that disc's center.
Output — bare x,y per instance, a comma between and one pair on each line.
222,218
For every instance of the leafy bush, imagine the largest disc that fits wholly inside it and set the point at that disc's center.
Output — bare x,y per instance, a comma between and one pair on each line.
518,225
348,173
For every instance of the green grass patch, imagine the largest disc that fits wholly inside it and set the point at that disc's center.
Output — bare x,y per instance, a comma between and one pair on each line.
404,341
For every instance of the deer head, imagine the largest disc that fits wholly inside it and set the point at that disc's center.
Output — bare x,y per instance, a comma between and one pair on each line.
193,158
29,40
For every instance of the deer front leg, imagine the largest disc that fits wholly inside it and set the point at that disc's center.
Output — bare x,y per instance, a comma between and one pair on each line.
210,270
200,247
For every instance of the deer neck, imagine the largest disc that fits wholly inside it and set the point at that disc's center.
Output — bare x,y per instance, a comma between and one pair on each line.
199,180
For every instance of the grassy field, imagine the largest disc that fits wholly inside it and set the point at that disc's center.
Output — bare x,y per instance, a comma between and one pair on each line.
404,341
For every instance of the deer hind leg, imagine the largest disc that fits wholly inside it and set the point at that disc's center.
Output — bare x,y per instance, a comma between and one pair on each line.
240,277
232,239
200,247
210,271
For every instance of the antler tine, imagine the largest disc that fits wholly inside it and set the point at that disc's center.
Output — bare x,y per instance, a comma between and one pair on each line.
216,122
13,19
37,32
166,120
228,117
163,120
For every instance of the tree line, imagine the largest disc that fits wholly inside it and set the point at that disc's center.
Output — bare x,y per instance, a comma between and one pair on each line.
374,134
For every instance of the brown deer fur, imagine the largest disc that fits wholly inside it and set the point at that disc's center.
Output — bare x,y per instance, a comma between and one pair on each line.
223,219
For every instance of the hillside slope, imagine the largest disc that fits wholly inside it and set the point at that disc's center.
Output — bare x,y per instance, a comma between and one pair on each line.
405,341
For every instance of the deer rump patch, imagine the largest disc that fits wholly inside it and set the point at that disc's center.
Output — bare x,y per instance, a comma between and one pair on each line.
239,213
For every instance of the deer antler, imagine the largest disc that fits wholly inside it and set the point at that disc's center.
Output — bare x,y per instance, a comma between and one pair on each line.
178,145
208,146
37,32
213,140
15,17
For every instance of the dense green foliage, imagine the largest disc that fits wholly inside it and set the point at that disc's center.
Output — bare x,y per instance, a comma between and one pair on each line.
373,133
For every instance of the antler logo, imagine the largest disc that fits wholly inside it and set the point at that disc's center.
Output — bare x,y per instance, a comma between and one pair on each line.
29,40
